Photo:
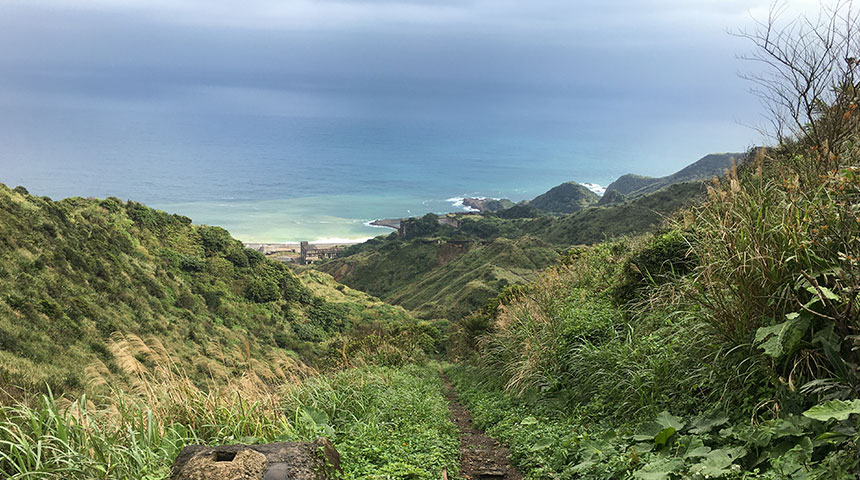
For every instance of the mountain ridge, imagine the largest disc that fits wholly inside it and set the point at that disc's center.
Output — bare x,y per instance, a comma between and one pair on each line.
715,164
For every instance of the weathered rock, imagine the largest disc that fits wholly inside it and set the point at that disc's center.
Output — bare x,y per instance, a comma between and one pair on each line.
275,461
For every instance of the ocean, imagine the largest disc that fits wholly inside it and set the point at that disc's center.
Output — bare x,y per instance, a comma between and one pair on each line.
287,178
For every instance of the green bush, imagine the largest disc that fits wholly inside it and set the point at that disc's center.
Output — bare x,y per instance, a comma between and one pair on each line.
262,290
192,263
666,257
777,254
215,240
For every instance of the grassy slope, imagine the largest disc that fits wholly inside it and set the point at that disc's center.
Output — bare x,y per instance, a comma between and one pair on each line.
442,280
642,214
695,353
705,168
566,198
75,272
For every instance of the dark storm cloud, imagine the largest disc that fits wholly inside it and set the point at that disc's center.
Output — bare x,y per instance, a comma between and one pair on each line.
329,55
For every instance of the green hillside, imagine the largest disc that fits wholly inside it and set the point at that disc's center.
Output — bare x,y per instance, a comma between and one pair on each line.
568,197
722,347
446,272
442,278
706,168
639,215
87,284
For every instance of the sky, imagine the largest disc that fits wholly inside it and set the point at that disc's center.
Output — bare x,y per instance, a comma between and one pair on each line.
329,57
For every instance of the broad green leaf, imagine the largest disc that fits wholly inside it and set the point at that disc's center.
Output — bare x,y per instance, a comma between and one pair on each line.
667,421
584,465
828,294
718,462
831,437
317,416
660,430
648,431
659,469
644,447
777,340
664,436
542,444
792,464
529,421
698,452
705,423
790,427
838,409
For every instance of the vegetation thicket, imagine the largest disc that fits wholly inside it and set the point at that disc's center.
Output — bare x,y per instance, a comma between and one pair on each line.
77,271
386,422
724,346
127,333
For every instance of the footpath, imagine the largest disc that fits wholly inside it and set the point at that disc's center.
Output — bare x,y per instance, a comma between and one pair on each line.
481,457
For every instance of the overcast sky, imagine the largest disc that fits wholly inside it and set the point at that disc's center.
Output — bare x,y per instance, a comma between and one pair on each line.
327,56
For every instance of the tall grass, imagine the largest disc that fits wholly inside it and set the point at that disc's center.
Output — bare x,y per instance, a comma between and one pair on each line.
134,424
51,440
386,421
564,339
783,237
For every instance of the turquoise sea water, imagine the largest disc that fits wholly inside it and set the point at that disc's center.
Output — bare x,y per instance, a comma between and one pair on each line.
291,178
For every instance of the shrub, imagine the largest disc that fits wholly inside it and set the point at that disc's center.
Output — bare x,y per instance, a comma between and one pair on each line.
254,257
213,300
192,263
237,257
112,204
309,332
262,290
186,300
215,239
328,316
666,257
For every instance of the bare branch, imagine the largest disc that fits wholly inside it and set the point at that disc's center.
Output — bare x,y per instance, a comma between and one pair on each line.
808,78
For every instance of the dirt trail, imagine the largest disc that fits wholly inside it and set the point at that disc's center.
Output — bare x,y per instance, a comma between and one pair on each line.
481,457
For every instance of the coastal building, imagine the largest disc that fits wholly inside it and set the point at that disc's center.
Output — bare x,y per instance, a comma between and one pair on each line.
309,253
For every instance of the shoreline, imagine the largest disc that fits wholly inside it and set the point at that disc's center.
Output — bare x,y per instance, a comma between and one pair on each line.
271,247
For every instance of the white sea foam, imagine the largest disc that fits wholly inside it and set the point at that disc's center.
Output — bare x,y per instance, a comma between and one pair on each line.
458,202
595,188
369,223
341,240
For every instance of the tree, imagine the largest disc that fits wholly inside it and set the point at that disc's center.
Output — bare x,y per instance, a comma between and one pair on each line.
809,83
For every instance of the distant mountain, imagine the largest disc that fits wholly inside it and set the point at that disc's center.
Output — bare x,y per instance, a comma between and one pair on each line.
715,164
487,204
611,197
631,217
627,184
447,271
569,197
